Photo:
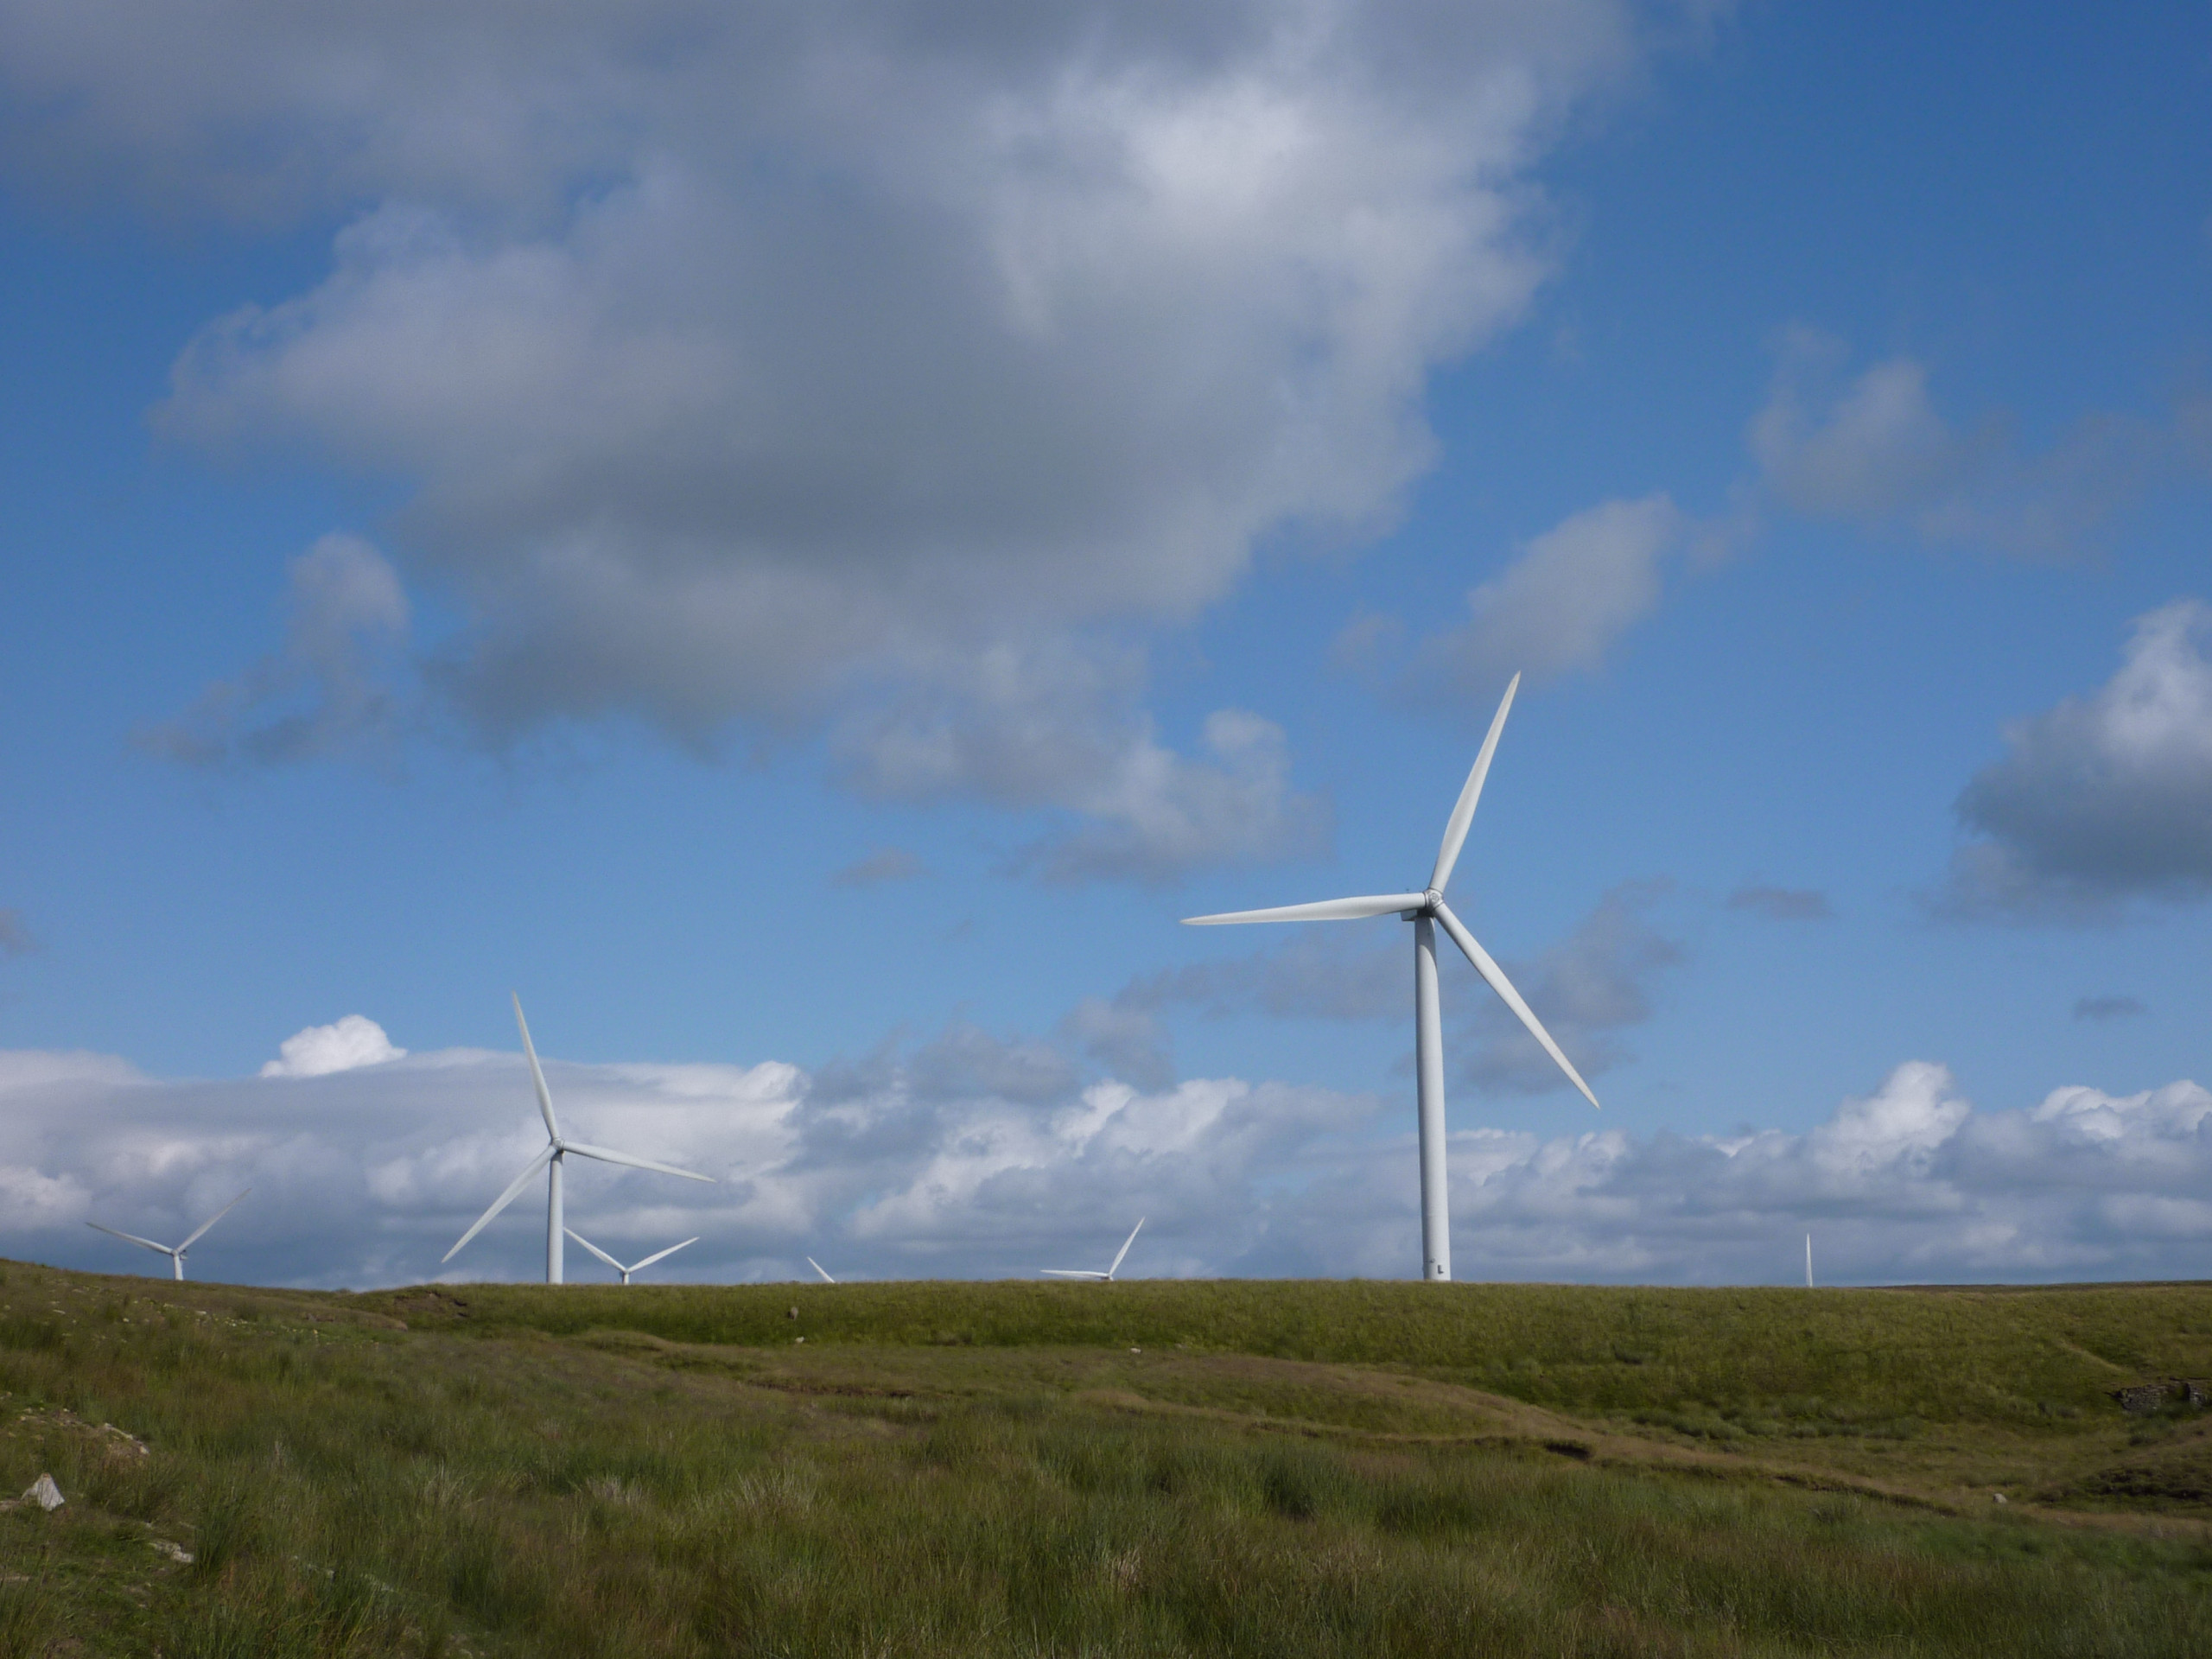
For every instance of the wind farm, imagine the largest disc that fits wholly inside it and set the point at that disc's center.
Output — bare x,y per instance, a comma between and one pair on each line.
924,575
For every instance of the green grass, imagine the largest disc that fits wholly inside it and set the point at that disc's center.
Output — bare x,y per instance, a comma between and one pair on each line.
2015,1356
1284,1470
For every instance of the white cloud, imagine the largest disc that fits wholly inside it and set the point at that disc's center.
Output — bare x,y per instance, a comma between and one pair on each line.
2102,798
760,368
321,1050
1909,1183
1057,728
1902,1124
974,1155
1877,452
1562,604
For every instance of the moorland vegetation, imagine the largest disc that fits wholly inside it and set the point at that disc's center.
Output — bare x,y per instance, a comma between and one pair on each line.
1149,1467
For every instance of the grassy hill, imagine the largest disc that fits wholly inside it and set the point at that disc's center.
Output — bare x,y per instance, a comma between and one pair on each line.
1153,1467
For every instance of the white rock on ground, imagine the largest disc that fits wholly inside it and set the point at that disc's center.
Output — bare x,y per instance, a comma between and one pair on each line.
44,1493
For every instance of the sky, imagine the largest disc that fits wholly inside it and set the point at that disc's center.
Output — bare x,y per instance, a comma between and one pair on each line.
801,541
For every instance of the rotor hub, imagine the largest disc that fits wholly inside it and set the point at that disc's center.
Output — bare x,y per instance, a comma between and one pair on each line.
1432,899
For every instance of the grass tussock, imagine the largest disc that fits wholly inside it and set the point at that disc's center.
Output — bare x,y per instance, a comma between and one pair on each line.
1298,1470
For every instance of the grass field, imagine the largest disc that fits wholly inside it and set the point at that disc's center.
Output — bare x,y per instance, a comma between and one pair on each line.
1163,1467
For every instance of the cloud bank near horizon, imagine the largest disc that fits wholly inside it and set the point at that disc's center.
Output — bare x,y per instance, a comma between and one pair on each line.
971,1155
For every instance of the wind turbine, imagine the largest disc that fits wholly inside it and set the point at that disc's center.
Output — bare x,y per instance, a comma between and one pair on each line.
1809,1261
174,1252
1107,1277
557,1149
1426,910
819,1268
634,1267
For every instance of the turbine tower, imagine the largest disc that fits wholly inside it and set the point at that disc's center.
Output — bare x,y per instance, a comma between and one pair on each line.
1107,1277
635,1266
174,1252
1426,910
557,1149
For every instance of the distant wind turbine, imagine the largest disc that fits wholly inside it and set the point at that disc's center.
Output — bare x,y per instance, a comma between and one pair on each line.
1425,910
635,1267
1809,1261
1105,1278
174,1252
557,1149
819,1268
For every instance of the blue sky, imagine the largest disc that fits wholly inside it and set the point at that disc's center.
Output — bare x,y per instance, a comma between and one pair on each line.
812,544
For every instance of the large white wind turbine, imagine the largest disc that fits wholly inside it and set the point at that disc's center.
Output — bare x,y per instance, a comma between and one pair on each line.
1425,910
1107,1277
174,1252
557,1149
634,1267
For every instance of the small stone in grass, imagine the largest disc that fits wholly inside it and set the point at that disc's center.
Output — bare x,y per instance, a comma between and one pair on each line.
44,1493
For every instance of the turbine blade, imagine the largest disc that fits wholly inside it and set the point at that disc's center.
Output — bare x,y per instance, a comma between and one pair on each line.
819,1268
671,1250
133,1237
1124,1251
212,1220
501,1202
595,1250
607,1157
1072,1272
1463,814
1328,910
1498,982
536,1073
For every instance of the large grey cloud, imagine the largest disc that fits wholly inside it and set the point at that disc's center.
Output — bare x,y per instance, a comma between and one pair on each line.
2104,798
974,1155
875,365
